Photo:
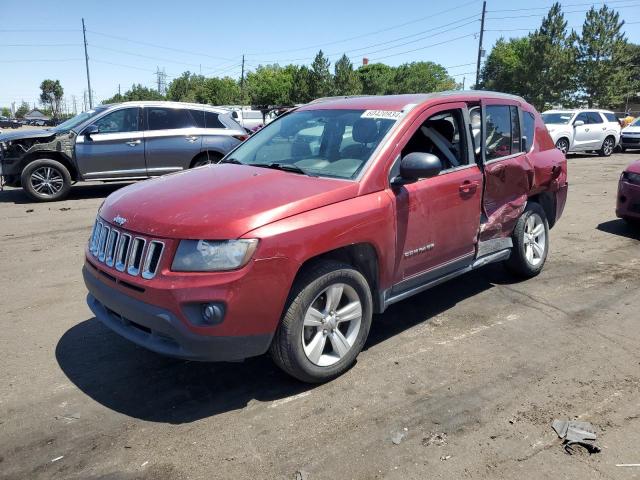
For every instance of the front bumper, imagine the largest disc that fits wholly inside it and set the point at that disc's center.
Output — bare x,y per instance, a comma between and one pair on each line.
630,142
628,205
159,330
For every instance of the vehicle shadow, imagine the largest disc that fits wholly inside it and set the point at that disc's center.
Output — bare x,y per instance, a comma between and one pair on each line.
77,192
141,384
621,228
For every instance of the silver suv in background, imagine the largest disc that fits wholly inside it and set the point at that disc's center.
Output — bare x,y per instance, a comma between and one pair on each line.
125,141
583,130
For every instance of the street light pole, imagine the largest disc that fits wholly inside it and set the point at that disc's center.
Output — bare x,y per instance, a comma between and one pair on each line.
86,60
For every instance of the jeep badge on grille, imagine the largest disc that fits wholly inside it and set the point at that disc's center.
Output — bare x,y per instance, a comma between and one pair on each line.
119,220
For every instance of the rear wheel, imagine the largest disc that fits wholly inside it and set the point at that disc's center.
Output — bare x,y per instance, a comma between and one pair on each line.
608,146
563,145
46,180
326,323
530,243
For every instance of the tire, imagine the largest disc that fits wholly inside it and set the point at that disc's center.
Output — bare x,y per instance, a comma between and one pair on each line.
608,146
46,180
526,259
205,159
563,145
327,345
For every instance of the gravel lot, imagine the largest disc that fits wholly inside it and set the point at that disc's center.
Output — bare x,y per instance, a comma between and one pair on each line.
466,378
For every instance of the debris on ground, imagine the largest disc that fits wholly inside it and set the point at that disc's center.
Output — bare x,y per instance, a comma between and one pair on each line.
397,437
301,475
57,458
445,457
438,439
576,433
627,464
30,210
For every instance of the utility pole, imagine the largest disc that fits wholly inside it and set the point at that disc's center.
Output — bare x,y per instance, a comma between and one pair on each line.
119,95
242,80
86,60
75,105
463,81
480,51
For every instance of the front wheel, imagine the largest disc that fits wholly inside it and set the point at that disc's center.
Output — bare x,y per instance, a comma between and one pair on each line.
46,180
326,323
206,159
530,243
608,146
563,145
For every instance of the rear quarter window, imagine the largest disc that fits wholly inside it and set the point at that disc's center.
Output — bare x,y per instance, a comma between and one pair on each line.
611,117
205,119
528,130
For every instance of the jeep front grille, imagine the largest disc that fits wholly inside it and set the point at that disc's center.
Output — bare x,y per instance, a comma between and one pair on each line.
125,251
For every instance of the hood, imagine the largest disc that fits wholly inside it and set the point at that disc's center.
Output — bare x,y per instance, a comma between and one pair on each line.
634,167
24,134
220,202
631,129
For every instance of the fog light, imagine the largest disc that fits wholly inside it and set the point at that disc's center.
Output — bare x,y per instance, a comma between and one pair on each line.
212,313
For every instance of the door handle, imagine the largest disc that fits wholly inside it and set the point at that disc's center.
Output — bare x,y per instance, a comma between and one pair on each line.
191,138
133,143
468,187
586,129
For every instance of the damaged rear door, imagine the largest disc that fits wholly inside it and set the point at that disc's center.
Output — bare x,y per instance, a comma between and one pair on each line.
508,171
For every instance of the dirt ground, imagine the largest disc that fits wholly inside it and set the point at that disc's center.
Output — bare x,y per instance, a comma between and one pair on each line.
466,378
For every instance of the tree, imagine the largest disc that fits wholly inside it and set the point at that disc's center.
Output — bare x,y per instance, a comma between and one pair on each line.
320,82
22,110
418,77
270,85
136,93
505,68
51,96
186,88
6,112
301,84
345,80
219,91
603,59
375,78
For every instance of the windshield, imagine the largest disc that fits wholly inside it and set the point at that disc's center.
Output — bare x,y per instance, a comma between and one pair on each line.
636,122
78,119
561,118
330,143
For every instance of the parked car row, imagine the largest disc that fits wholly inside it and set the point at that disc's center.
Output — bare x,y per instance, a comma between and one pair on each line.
131,140
6,122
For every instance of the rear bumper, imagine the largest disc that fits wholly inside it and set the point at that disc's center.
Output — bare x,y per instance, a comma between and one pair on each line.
161,331
628,204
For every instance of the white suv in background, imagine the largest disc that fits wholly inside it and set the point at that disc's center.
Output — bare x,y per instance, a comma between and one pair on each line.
583,130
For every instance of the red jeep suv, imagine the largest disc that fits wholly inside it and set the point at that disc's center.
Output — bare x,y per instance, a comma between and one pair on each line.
326,216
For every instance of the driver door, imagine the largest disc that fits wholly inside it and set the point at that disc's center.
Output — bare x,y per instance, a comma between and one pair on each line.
438,218
116,150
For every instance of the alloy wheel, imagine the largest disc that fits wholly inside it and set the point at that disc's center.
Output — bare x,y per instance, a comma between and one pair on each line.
331,324
535,239
562,145
607,148
46,181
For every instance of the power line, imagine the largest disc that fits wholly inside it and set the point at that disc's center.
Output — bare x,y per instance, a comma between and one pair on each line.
41,45
426,46
43,60
146,56
562,5
543,15
393,27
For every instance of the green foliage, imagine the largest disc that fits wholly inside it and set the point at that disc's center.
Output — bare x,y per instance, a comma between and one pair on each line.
51,96
321,81
346,80
22,110
270,85
420,77
186,88
6,112
505,68
603,58
220,91
375,78
301,84
136,93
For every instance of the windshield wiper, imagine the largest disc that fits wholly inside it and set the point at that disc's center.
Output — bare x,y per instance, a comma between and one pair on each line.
286,167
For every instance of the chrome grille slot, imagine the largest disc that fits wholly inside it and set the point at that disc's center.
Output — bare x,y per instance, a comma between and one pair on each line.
96,238
135,256
92,238
122,252
152,259
102,245
112,243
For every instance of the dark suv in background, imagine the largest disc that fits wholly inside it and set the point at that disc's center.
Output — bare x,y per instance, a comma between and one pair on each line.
125,141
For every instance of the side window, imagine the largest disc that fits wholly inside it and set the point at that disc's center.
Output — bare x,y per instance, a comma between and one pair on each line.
206,119
611,117
594,117
583,117
124,120
443,136
498,131
515,130
167,118
528,130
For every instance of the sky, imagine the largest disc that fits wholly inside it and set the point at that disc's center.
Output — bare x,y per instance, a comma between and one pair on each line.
129,40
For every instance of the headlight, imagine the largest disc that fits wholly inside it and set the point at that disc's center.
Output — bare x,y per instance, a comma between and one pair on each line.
213,255
632,177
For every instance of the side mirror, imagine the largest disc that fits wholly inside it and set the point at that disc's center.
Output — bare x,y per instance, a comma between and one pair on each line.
417,165
578,123
90,130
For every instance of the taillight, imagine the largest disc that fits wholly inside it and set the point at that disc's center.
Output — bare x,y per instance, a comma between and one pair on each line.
242,138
